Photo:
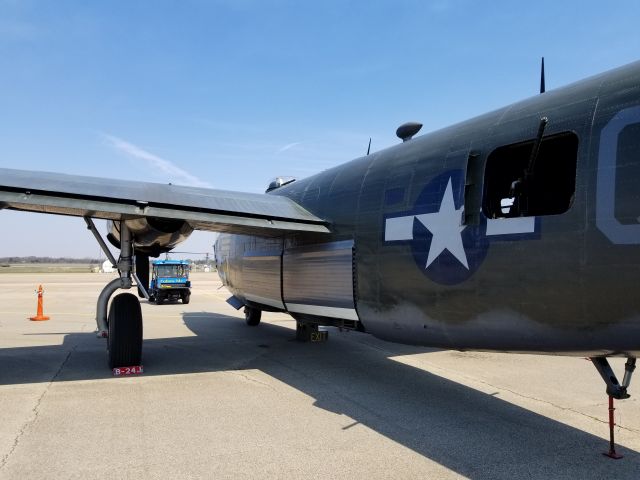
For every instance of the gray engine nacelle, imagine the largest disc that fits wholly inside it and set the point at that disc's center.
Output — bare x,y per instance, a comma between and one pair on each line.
152,236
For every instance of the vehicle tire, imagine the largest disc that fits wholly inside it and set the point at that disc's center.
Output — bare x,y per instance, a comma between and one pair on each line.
252,316
185,298
159,299
125,331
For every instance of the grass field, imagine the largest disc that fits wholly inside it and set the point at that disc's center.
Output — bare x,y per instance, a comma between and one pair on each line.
47,268
55,268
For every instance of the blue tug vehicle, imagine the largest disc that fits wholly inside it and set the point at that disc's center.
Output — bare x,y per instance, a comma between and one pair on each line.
170,281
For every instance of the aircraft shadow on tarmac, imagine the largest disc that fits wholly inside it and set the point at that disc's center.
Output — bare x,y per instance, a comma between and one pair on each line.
472,433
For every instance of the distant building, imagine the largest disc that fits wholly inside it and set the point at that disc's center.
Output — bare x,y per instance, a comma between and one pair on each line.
107,267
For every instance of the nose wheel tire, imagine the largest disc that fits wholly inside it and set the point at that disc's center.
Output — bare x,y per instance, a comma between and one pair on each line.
125,331
252,316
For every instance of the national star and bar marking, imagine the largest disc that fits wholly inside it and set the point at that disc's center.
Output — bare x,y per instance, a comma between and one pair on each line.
446,228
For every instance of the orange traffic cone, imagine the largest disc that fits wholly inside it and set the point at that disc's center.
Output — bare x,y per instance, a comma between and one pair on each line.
39,315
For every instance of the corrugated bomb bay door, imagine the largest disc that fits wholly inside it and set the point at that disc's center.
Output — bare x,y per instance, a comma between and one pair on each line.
261,273
319,280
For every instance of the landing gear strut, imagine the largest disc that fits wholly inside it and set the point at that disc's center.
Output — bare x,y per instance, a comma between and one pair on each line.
123,326
614,390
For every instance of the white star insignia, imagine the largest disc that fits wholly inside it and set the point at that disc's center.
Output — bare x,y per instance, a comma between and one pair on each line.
445,227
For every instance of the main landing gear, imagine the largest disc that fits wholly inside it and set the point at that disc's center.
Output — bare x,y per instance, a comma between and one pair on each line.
252,316
124,341
614,390
122,327
305,332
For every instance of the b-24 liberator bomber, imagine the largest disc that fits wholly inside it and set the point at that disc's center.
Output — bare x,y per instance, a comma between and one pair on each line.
516,231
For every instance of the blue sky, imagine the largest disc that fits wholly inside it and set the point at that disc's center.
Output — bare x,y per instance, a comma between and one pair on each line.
231,93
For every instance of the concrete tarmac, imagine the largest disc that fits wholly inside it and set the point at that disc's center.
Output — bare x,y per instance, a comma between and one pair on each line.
219,399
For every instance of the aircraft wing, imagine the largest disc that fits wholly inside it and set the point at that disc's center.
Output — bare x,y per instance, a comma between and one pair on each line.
202,208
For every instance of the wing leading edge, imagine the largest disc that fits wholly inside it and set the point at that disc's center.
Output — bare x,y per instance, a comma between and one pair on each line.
202,208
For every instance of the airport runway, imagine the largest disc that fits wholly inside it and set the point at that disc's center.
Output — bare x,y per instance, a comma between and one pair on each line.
219,399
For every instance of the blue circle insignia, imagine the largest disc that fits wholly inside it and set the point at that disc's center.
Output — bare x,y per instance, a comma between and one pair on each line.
446,250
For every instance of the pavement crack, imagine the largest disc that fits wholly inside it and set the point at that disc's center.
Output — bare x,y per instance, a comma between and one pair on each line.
536,399
560,407
253,380
450,373
35,411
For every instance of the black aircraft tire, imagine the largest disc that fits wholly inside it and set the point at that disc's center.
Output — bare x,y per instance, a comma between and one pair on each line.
125,331
252,316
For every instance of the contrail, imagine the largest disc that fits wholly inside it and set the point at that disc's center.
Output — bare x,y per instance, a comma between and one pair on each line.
288,147
154,161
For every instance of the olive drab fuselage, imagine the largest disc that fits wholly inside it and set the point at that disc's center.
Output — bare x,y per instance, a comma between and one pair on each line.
460,239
